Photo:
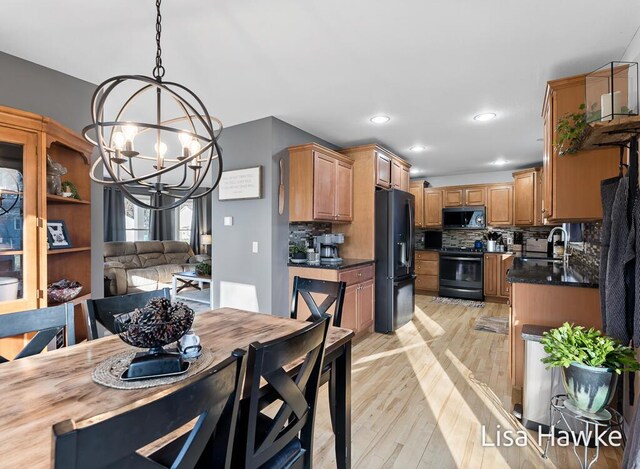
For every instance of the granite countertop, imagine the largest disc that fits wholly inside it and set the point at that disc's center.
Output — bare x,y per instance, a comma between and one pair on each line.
543,272
345,264
427,249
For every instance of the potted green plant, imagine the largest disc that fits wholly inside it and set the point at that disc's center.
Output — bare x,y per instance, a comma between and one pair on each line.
591,363
203,268
69,189
570,132
297,253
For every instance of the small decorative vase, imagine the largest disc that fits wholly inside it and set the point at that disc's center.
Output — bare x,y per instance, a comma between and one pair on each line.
589,388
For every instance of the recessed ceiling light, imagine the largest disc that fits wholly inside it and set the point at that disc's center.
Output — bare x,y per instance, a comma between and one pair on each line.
487,116
415,171
381,119
418,148
500,162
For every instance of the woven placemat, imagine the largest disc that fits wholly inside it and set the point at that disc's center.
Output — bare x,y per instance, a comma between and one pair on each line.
109,371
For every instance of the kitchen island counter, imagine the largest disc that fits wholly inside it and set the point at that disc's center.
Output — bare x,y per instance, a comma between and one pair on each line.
545,272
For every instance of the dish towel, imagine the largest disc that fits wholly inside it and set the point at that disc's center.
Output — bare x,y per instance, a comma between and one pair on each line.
631,458
616,297
608,189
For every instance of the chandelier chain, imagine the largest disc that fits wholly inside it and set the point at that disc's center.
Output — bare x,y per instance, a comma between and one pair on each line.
158,71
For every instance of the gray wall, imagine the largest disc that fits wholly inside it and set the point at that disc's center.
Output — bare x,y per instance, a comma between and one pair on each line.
477,178
241,278
31,87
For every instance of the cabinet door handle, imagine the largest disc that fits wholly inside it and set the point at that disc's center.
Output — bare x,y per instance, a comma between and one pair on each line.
359,274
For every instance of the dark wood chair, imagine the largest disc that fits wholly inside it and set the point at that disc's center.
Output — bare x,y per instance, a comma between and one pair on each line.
334,291
112,440
46,322
306,287
287,439
103,310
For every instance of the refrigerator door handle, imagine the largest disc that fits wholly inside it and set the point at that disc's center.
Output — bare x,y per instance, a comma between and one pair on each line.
404,260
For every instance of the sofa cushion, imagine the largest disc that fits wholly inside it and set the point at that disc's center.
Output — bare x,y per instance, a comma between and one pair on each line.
141,277
177,252
152,259
122,252
165,271
144,247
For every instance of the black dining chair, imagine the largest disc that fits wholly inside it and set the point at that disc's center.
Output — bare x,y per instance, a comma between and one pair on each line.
112,440
285,440
103,310
46,322
333,292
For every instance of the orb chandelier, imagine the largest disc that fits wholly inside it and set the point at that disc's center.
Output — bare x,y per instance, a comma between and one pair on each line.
166,154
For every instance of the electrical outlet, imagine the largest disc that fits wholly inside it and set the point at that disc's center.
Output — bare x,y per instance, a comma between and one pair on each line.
228,221
254,247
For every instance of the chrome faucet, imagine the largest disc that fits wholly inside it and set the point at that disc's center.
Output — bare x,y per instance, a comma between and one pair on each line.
565,256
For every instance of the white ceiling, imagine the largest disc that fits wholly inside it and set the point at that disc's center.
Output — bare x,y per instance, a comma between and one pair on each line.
327,66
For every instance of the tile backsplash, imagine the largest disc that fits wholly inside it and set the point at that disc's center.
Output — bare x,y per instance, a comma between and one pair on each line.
300,232
590,256
466,238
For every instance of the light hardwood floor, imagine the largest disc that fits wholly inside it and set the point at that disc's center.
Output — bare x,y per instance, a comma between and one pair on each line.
421,396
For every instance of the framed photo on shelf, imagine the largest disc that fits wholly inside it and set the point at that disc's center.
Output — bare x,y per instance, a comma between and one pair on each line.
57,234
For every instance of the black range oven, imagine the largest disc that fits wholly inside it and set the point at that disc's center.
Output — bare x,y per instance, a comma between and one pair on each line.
461,272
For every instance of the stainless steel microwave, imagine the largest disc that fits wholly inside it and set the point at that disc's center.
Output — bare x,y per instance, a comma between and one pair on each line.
464,218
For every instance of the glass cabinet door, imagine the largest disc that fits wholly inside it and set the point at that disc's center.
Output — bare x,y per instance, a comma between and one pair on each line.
18,231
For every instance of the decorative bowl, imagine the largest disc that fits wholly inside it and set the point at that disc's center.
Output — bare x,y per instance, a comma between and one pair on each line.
63,290
157,324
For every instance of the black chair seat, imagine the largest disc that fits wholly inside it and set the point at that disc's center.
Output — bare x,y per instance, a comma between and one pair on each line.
288,455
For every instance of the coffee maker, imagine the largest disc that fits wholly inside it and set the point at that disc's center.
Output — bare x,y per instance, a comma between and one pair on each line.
327,246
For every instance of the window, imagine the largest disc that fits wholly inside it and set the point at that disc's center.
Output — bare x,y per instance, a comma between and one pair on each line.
184,214
137,221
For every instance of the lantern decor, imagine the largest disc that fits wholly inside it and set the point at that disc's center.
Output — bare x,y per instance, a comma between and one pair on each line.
166,154
612,92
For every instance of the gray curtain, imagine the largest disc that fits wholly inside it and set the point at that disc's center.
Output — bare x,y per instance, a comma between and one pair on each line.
200,222
114,216
162,222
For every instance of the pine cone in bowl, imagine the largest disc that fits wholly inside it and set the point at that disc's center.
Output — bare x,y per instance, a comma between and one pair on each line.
62,291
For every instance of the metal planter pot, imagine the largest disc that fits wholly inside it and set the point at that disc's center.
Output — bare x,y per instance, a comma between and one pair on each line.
589,388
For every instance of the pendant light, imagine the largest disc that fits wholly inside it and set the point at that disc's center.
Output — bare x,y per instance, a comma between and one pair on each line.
158,140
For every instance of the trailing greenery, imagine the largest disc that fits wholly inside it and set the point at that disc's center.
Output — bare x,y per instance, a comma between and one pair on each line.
570,131
574,344
68,186
296,249
203,268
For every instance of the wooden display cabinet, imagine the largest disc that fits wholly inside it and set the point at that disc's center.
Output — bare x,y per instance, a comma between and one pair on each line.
35,137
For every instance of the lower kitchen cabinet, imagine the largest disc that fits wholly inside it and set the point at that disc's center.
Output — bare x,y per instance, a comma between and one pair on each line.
496,266
359,299
427,271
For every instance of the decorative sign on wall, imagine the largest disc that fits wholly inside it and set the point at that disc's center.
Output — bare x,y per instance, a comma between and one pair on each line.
241,184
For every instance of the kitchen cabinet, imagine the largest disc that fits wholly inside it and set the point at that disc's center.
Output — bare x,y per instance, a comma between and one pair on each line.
453,197
475,195
417,188
383,170
496,266
500,205
433,204
320,185
571,182
359,299
427,271
527,197
399,174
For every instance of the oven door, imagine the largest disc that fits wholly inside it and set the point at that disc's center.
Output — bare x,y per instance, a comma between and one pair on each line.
464,272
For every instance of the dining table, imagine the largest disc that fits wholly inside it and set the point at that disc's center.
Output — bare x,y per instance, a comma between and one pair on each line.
39,391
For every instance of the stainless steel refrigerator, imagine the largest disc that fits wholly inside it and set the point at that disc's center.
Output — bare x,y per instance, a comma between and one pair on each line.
395,265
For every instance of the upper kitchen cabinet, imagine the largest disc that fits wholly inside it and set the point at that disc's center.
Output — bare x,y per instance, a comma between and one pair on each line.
571,182
390,171
527,197
417,188
500,205
320,185
453,197
464,195
432,217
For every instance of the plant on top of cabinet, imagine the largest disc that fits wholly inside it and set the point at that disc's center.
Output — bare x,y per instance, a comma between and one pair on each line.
570,132
320,184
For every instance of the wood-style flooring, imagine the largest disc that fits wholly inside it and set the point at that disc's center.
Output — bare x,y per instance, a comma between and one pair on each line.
421,396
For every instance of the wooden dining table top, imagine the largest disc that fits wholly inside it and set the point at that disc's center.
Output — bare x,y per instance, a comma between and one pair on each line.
40,391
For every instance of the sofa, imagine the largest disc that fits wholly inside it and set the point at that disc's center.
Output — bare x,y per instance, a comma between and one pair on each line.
132,267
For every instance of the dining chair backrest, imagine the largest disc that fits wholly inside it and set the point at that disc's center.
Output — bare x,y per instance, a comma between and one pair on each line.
297,393
103,310
113,440
46,322
333,292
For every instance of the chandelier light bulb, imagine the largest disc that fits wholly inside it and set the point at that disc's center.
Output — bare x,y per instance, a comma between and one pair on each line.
130,131
194,146
160,149
118,139
185,139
